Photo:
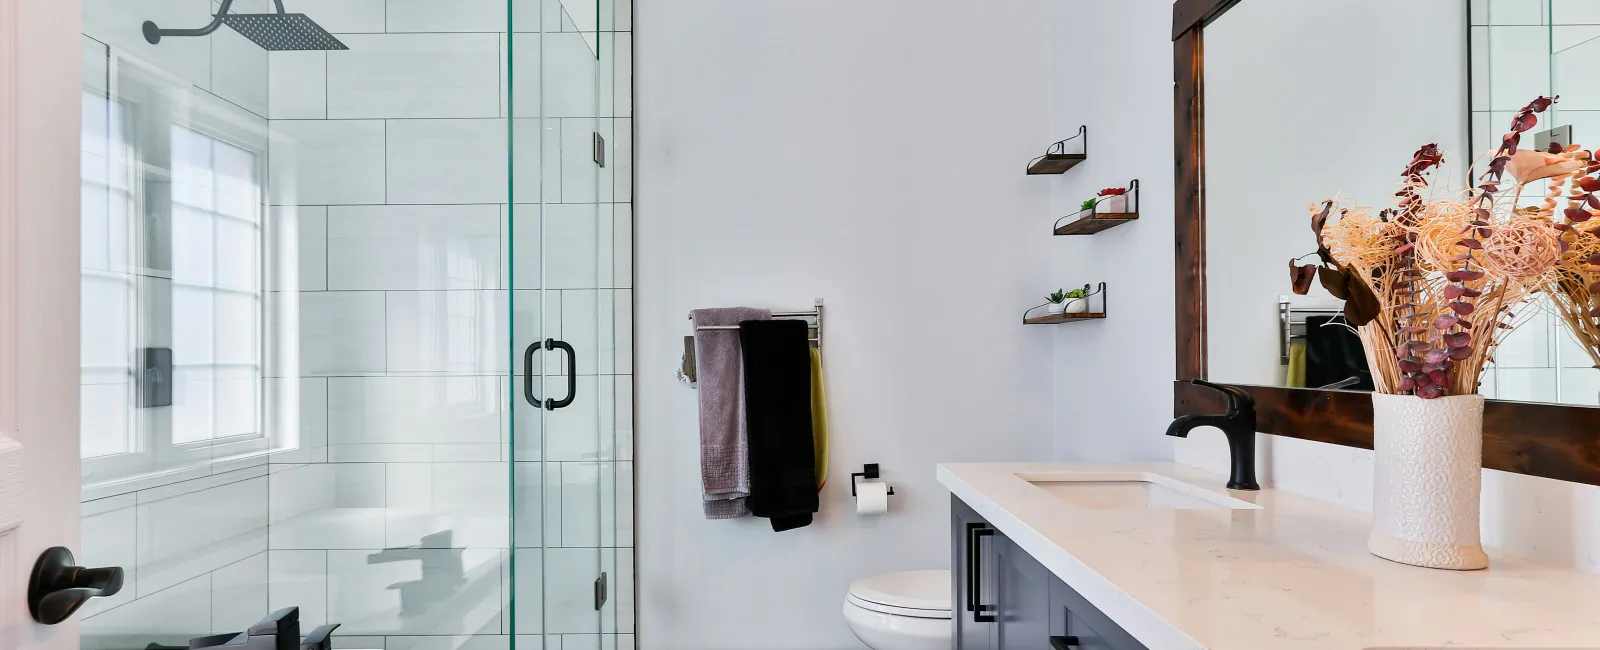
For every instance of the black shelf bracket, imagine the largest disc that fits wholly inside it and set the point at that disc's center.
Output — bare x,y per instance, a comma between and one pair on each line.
1056,159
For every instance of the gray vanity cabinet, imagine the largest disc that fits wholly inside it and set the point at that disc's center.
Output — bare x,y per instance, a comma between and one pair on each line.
1004,599
1076,624
1023,602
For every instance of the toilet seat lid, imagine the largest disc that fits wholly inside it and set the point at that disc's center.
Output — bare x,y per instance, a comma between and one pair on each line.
917,590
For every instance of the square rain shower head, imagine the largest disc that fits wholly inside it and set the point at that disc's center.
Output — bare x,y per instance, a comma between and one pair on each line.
278,32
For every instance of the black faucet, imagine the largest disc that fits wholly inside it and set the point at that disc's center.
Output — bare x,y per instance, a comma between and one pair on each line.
1239,424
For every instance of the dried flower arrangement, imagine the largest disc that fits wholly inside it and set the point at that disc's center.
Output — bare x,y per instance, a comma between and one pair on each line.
1431,286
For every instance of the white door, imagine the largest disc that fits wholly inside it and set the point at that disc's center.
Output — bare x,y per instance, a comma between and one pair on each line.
40,108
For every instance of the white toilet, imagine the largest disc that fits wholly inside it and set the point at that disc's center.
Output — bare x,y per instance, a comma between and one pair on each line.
909,610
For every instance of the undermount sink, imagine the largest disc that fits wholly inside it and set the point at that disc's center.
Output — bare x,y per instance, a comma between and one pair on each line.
1130,491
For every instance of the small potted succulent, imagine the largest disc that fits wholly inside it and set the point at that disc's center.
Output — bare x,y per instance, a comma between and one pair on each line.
1077,300
1057,301
1088,206
1112,200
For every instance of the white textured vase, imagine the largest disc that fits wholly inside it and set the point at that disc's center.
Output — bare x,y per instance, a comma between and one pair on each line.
1427,475
1117,204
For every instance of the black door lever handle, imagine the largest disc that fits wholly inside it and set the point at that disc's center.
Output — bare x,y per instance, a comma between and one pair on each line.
58,587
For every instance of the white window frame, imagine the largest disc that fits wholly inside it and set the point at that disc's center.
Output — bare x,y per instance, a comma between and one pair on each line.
155,458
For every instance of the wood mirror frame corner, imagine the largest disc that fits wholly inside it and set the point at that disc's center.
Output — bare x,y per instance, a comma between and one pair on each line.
1547,440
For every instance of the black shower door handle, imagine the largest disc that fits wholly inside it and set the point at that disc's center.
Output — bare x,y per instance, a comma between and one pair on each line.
572,374
527,375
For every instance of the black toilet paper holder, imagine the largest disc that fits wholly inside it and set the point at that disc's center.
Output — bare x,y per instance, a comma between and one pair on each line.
868,471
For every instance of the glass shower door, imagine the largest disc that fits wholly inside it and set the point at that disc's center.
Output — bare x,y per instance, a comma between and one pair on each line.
354,326
296,369
563,561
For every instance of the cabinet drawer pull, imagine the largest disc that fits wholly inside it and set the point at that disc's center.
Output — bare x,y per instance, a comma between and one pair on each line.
972,562
975,532
1063,642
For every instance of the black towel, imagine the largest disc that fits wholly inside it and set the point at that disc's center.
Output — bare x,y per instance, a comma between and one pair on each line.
1334,354
777,410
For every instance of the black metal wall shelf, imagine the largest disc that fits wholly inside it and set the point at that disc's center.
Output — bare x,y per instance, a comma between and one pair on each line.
1087,315
1091,221
1056,159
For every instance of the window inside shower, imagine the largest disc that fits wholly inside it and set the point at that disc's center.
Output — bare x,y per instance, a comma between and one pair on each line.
309,280
172,296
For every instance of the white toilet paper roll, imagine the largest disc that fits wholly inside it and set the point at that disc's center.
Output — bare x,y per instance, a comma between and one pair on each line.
872,497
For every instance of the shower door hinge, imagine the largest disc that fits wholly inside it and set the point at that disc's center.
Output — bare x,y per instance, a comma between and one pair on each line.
599,149
1560,135
600,592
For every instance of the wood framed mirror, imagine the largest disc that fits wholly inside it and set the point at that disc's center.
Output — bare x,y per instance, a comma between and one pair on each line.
1548,439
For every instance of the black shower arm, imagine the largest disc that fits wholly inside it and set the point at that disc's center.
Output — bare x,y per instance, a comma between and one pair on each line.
153,34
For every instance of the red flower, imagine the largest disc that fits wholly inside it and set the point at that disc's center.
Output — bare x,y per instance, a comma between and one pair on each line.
1114,191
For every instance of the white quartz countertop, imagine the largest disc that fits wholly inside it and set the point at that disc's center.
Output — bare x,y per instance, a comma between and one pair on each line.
1293,574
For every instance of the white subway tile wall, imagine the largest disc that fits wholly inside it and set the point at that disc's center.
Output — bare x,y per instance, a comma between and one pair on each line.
327,162
415,76
387,273
451,161
239,70
1540,361
298,85
414,247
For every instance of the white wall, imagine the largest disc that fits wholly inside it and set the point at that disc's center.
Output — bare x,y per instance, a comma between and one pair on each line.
1113,378
1549,520
870,154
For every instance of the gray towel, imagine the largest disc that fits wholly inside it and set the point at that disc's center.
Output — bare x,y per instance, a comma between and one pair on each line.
724,451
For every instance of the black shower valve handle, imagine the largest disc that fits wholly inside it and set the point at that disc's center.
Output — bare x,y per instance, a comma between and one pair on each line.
320,638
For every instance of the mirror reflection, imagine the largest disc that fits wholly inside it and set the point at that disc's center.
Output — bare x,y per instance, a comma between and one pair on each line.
1321,102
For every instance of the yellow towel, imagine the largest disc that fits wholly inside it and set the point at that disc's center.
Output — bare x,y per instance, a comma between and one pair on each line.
1297,366
819,419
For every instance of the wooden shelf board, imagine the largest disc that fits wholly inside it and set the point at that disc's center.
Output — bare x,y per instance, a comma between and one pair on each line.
1056,163
1094,223
1053,319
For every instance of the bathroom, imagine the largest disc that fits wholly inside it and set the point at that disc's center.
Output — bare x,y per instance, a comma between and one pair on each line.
385,232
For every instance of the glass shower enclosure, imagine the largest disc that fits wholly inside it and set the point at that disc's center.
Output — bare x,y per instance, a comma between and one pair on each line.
356,320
